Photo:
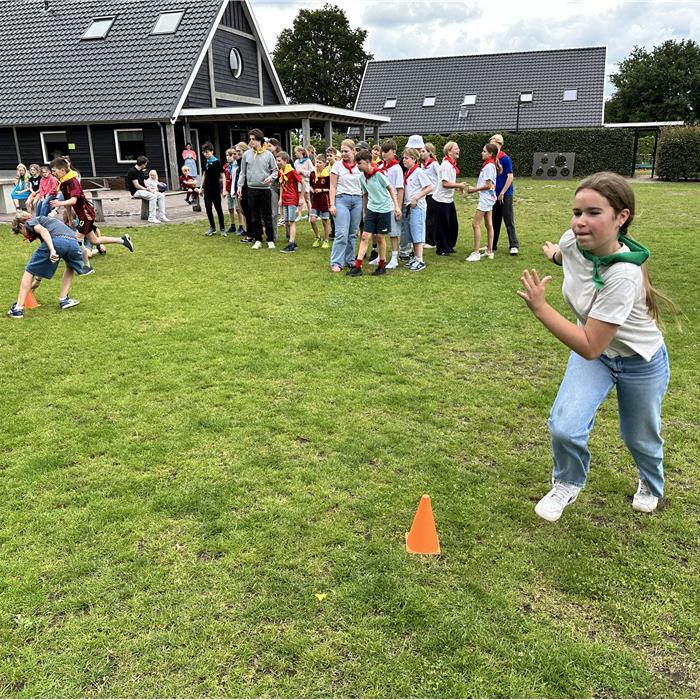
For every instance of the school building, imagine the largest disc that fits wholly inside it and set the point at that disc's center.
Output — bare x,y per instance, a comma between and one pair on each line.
563,88
108,80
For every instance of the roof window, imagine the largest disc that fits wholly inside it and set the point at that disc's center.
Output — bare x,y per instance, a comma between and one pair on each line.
390,103
99,28
468,100
429,101
525,97
570,95
168,22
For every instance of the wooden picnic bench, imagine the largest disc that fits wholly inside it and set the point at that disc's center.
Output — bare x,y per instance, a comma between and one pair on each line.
97,196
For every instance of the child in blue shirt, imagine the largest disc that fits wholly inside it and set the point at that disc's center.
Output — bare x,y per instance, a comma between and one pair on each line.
379,201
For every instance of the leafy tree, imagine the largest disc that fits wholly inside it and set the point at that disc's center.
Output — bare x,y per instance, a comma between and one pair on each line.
661,85
321,59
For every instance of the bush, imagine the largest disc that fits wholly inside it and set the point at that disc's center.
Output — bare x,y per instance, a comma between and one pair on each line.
595,149
678,156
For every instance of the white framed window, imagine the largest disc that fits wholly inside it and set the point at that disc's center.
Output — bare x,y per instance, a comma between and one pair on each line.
168,22
53,144
469,100
429,101
235,63
570,95
129,145
99,28
390,103
525,97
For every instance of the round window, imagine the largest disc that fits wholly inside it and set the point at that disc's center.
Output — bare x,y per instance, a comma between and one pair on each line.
235,63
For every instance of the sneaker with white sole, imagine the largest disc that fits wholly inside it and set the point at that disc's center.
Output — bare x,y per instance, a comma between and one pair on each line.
552,505
154,221
409,261
514,250
474,256
126,242
488,255
392,264
164,219
67,303
417,266
271,245
375,261
257,245
223,233
15,312
209,232
644,500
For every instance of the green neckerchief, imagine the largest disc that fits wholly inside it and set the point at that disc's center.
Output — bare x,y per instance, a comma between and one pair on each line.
637,256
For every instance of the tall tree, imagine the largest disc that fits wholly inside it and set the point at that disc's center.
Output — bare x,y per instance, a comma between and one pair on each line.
661,85
321,58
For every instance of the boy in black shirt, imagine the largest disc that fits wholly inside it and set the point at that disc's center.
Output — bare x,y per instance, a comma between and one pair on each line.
212,184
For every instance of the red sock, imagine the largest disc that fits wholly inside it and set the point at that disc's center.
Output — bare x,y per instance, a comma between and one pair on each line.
358,263
382,262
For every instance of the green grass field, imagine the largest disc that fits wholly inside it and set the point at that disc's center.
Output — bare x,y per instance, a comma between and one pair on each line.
216,435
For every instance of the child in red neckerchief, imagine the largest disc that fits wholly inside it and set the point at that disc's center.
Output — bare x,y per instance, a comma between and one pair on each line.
320,182
392,170
429,163
290,182
486,187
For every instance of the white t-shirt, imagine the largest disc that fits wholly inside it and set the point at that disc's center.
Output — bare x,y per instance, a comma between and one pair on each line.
415,183
488,173
433,172
348,183
395,177
621,301
446,173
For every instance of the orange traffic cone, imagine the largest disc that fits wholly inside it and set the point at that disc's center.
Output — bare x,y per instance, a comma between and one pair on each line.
30,302
423,538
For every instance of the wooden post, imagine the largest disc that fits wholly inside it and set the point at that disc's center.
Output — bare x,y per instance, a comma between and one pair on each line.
328,133
376,134
173,169
362,132
305,132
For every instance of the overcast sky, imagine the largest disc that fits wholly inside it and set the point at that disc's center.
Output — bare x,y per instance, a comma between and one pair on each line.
416,28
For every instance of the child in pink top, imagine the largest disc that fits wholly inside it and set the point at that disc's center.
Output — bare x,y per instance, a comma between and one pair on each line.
48,189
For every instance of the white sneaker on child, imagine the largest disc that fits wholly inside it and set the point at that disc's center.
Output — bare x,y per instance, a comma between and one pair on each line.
552,505
474,257
644,500
392,264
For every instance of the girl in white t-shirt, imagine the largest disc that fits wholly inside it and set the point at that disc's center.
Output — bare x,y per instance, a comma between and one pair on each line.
432,169
615,342
486,187
304,165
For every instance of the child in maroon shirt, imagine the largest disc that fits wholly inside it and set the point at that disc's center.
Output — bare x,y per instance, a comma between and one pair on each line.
189,185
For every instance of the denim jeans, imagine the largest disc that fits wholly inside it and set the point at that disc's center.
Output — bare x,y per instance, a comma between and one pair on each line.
348,212
641,386
413,230
43,208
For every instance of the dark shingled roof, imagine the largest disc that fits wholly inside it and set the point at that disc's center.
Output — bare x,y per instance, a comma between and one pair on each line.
497,81
51,76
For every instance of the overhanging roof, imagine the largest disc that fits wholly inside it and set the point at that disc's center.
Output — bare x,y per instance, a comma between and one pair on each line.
314,112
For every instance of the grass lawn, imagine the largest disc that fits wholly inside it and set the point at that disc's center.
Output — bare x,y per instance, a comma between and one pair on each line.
216,435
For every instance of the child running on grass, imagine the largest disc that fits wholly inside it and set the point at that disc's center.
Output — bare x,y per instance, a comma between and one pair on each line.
58,242
615,342
379,202
417,186
290,180
73,196
320,182
486,187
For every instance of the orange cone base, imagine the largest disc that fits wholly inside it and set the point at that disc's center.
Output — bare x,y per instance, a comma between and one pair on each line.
30,302
423,538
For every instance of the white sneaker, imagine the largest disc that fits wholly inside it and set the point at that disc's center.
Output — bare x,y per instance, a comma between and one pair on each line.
474,257
392,264
257,245
374,262
427,246
552,505
644,500
271,244
164,219
488,256
514,250
153,220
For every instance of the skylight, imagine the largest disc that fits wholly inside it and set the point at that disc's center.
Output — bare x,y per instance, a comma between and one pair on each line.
469,100
570,95
390,103
429,102
99,28
168,22
526,97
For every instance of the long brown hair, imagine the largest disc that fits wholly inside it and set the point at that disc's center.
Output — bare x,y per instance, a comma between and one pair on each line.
492,148
620,195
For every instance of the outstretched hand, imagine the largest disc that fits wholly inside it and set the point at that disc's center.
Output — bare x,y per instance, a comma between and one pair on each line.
550,250
534,289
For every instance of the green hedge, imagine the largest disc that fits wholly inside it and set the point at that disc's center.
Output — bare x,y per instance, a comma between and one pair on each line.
595,149
678,155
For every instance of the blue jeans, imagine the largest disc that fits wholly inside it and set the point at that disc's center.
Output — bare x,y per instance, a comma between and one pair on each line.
348,212
413,230
641,386
43,208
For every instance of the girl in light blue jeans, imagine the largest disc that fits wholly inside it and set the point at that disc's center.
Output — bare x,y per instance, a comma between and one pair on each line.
616,342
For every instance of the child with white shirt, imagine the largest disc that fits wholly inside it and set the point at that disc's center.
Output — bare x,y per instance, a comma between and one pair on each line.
417,186
614,342
391,168
431,167
486,187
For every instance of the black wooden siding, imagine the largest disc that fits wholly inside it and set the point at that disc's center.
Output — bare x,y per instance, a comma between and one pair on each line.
270,96
247,84
234,17
30,146
8,154
106,154
200,93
